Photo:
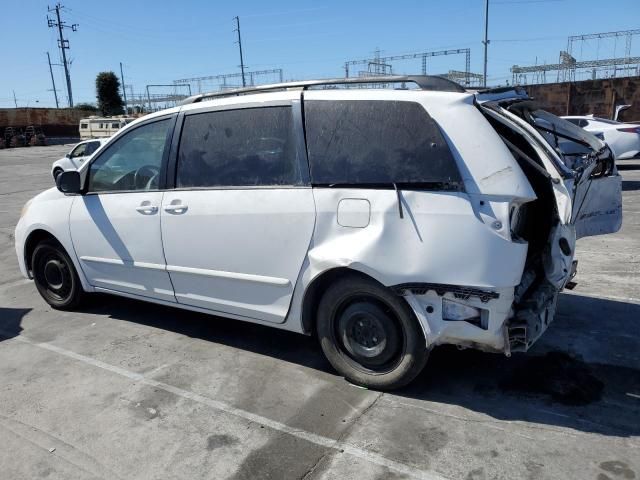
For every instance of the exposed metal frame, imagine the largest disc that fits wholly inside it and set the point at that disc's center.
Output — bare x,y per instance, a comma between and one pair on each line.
424,82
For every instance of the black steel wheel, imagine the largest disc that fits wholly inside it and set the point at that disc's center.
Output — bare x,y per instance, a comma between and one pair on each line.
55,276
369,334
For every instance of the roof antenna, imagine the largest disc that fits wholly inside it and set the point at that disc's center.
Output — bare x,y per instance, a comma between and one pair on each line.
395,186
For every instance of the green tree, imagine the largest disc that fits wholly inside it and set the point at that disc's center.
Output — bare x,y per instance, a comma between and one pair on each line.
108,94
86,106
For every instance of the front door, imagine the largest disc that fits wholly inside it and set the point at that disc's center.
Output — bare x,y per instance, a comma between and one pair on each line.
115,226
237,228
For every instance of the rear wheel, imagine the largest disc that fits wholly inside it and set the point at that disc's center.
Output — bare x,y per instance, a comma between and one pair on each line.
55,276
369,334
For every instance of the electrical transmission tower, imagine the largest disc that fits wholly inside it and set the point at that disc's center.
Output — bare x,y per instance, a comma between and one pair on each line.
63,44
382,65
572,66
214,83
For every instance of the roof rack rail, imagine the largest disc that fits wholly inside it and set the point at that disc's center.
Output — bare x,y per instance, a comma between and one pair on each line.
424,82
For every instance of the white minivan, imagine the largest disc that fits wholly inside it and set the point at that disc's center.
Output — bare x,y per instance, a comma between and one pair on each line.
386,221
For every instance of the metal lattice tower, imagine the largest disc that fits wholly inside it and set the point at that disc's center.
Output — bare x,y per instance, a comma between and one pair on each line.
569,67
382,65
214,83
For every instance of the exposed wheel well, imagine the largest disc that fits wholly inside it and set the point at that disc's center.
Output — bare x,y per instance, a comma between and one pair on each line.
33,240
314,292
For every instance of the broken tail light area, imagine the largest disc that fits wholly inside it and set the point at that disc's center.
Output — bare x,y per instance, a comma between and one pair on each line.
453,311
460,315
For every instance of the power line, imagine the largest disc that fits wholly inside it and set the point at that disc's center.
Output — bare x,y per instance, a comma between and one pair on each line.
63,44
237,19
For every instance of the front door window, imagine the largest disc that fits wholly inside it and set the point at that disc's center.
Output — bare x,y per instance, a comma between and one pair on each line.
132,162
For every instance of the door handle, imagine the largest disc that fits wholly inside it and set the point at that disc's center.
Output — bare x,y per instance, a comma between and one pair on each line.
177,208
147,209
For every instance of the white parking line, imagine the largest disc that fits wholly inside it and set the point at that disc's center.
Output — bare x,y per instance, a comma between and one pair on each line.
319,440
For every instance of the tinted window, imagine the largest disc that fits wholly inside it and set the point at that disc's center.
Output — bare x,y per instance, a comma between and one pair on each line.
132,162
376,142
84,125
247,147
91,147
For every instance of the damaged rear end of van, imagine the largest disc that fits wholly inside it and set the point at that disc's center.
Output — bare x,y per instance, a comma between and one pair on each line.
481,254
579,194
535,184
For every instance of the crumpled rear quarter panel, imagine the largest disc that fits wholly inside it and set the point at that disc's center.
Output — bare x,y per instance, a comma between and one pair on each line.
441,239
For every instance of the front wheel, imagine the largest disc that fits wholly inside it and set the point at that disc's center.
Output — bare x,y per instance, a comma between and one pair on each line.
55,276
370,335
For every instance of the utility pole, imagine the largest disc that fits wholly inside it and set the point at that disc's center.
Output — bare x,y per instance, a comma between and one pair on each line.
14,98
53,82
486,40
63,44
237,19
124,90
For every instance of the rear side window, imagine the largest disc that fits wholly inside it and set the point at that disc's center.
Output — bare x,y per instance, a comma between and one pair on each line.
91,147
377,142
247,147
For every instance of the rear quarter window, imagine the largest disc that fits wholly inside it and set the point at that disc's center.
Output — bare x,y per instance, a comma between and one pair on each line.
377,142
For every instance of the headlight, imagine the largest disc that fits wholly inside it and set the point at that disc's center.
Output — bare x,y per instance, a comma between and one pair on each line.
23,212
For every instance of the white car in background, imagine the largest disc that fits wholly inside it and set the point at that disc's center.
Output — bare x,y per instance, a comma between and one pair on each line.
76,157
622,138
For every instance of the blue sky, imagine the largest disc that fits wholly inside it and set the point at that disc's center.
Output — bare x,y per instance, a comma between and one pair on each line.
159,41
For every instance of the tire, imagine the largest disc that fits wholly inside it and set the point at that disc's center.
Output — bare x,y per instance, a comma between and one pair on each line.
369,334
55,276
56,173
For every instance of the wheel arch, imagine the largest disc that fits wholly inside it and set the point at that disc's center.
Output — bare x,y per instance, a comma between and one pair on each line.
314,291
33,239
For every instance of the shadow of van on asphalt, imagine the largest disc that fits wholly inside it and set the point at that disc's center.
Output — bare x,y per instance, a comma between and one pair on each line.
584,373
10,320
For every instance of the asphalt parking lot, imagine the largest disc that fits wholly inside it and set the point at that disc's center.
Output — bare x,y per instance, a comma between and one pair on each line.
129,390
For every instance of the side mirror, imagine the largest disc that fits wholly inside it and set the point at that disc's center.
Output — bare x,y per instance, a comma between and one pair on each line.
68,155
69,182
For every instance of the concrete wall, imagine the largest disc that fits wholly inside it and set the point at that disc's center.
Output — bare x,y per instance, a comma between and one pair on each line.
54,121
591,96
